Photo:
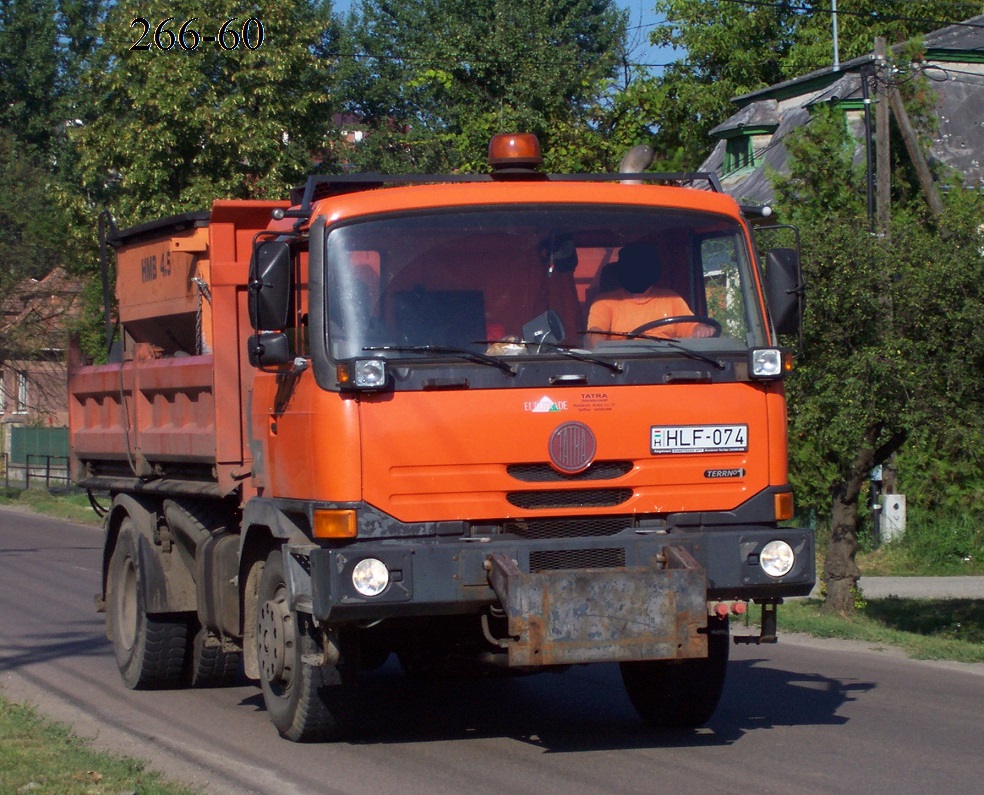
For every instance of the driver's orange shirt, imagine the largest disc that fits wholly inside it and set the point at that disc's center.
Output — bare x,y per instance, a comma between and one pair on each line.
622,311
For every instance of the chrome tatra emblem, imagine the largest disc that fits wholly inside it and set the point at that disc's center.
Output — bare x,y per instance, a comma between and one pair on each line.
572,448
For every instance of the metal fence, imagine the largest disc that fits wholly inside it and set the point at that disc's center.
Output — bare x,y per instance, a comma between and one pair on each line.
39,471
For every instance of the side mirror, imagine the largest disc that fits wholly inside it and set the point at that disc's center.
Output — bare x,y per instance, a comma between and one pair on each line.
784,289
267,348
269,287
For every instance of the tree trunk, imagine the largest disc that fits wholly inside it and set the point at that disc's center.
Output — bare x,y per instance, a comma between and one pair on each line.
840,570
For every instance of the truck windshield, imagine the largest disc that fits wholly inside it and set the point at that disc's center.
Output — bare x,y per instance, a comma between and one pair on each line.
486,280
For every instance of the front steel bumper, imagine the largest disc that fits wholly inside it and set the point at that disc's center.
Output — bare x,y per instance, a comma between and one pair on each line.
446,576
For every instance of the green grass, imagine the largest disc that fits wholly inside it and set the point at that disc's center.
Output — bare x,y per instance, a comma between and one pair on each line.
71,505
926,629
40,757
905,560
936,543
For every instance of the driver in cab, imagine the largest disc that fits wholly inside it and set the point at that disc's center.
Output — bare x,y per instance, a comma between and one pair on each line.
637,305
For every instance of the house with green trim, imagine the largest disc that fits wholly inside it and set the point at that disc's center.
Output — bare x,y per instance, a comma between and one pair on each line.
752,141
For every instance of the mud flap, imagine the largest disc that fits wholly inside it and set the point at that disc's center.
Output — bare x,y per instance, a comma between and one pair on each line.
603,615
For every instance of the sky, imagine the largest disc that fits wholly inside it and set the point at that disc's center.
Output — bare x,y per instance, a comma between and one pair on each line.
642,20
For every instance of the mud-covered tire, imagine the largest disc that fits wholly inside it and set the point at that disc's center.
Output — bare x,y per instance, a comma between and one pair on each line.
150,649
680,694
305,702
212,666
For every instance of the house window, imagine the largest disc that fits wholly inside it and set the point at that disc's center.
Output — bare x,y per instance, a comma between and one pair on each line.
738,154
21,392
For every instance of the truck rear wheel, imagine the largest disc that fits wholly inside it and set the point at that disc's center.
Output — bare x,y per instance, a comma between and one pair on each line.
211,665
681,694
304,700
150,649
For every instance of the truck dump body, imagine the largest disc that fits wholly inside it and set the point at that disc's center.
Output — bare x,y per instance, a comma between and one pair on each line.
151,423
154,411
406,419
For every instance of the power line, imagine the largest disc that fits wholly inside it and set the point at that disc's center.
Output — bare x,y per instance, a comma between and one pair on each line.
478,62
430,59
873,15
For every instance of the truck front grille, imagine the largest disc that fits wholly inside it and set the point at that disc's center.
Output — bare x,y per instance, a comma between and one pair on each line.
544,473
553,560
580,498
582,527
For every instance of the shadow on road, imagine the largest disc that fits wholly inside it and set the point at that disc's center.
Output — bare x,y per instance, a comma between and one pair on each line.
582,709
36,649
28,551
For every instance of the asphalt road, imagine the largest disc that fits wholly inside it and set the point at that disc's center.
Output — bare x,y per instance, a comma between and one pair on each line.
923,587
799,717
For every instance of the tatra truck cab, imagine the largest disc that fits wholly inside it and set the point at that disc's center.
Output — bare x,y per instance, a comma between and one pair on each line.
372,421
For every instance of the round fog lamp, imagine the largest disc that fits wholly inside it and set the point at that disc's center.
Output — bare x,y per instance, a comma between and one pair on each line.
370,577
777,558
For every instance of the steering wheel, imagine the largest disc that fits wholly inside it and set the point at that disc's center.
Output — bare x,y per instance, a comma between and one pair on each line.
669,321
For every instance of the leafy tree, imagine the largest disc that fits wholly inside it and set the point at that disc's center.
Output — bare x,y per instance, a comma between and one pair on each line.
28,70
43,45
32,246
889,353
433,80
728,49
176,126
30,223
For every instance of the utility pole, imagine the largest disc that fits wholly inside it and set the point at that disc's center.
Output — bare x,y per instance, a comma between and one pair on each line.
883,166
893,101
869,172
915,152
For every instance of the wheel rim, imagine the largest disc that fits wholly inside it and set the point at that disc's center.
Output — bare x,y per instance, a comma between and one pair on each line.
276,638
126,605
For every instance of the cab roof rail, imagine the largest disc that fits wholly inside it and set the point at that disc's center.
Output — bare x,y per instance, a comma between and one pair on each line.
321,186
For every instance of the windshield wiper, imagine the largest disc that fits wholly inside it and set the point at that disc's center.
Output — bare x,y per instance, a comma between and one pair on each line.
464,353
573,353
669,342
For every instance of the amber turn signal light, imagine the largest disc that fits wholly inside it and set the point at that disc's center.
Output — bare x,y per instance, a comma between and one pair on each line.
784,505
335,524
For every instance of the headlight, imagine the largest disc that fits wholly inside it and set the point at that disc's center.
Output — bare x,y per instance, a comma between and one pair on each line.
370,577
370,373
765,363
777,558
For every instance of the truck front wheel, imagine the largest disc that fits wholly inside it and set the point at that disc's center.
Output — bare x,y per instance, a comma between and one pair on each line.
303,700
680,694
150,649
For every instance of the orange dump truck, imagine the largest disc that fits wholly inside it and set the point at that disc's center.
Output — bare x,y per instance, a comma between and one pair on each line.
369,421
